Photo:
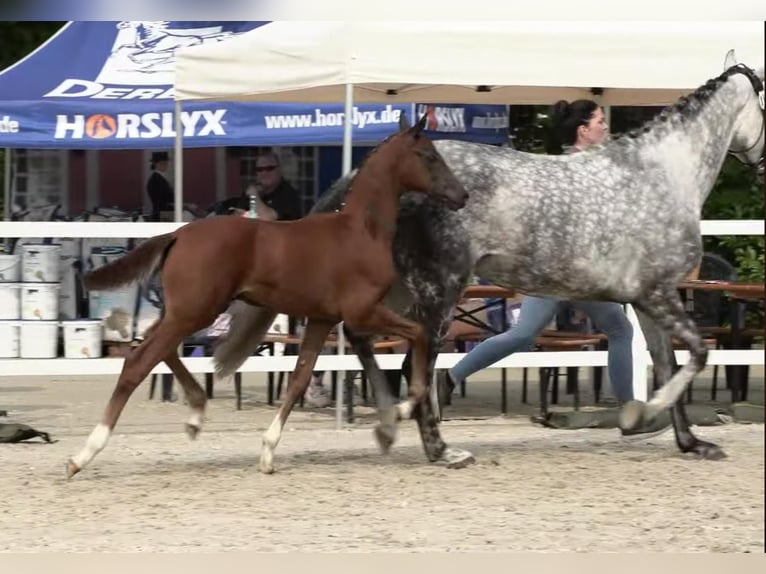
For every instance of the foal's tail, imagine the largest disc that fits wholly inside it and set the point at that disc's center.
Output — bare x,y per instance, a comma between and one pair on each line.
133,266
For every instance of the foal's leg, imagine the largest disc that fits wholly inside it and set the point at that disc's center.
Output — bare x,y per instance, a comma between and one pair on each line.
193,391
665,307
661,349
313,341
138,364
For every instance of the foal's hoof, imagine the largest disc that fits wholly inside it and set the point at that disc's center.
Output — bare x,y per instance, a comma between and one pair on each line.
71,469
456,458
632,415
385,434
706,450
192,430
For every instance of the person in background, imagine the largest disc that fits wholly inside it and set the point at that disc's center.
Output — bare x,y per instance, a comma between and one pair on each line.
578,124
158,185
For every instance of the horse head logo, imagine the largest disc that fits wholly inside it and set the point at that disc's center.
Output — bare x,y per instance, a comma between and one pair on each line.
149,46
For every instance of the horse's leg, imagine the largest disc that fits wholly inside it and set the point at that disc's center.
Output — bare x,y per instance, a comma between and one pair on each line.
665,308
661,349
383,320
138,364
428,425
193,391
385,431
313,341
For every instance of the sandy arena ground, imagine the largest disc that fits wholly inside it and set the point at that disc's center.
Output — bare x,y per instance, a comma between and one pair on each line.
532,489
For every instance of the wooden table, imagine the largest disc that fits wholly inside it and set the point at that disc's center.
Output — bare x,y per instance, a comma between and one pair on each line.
738,290
487,292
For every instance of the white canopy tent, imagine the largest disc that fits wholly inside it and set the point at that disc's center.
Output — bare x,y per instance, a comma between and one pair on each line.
635,63
498,62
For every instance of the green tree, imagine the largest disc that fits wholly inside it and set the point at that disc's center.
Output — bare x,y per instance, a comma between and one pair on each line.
17,39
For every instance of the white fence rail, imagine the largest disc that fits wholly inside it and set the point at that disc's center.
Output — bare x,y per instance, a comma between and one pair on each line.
75,229
112,366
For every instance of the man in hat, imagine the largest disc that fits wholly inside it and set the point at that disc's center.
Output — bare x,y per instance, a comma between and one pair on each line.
158,185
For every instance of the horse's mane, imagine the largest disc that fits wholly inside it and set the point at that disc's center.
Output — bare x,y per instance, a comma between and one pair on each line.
375,149
686,108
343,185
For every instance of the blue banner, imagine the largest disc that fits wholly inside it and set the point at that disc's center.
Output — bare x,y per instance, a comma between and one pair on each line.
109,85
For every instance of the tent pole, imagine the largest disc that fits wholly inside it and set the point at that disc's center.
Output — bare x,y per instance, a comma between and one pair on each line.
7,200
178,165
346,168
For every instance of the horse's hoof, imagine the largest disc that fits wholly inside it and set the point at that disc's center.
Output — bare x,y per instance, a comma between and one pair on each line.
71,469
266,462
192,430
456,458
632,415
706,451
385,434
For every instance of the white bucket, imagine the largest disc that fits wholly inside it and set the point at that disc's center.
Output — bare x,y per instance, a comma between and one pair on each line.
9,339
10,301
117,309
82,339
39,339
40,263
10,267
40,301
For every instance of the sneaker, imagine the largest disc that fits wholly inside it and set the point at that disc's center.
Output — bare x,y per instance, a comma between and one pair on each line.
317,396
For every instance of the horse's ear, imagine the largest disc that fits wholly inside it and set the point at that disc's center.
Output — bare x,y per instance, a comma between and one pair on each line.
421,124
731,60
403,123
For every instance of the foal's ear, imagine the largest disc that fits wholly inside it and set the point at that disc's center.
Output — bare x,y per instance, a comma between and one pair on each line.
731,60
421,124
403,123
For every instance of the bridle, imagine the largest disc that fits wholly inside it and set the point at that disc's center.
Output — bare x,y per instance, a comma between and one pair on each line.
758,88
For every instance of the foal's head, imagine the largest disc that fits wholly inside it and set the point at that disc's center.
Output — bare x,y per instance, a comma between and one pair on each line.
420,167
749,137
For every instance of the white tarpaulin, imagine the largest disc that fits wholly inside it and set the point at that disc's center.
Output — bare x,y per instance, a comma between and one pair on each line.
505,62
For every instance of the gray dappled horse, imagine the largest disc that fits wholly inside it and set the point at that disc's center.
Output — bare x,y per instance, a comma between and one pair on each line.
619,221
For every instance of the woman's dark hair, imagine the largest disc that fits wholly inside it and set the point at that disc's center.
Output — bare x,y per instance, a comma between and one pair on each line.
566,117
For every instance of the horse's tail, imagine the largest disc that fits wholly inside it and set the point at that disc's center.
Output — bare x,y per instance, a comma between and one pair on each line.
247,327
133,266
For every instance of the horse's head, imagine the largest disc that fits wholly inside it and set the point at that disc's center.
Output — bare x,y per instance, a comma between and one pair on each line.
422,168
748,141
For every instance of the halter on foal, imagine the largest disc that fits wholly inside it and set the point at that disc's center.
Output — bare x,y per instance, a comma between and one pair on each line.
328,267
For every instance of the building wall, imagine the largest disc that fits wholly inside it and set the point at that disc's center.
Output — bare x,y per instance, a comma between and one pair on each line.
122,178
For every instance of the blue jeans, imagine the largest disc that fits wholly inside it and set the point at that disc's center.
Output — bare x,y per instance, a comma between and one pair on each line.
536,313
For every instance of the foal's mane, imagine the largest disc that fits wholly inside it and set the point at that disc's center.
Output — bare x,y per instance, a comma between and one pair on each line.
370,154
687,108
